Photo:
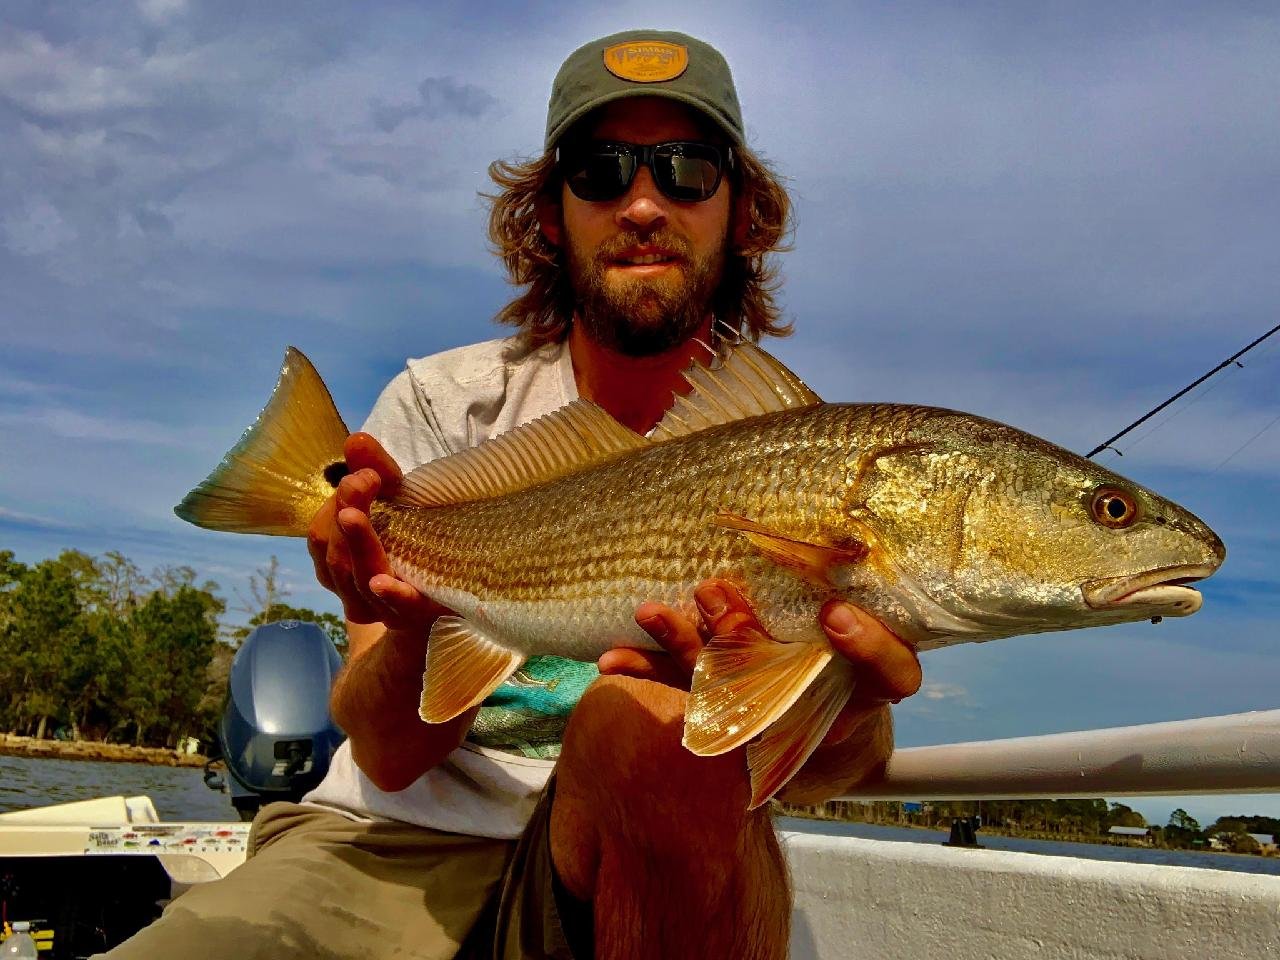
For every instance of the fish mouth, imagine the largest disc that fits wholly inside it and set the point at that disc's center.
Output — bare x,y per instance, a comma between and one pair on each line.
1162,592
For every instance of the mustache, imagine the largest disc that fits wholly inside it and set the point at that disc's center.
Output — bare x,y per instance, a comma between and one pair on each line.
666,239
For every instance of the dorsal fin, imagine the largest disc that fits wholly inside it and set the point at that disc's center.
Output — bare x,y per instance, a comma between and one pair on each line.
562,442
749,383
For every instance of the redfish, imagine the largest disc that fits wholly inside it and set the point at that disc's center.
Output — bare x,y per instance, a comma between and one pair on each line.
945,526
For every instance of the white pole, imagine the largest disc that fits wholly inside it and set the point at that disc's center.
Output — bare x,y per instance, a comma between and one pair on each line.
1239,753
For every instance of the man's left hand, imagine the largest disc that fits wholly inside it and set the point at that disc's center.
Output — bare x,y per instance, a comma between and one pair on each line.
887,668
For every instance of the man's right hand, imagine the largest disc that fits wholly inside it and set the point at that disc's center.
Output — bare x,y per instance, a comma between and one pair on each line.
375,698
348,556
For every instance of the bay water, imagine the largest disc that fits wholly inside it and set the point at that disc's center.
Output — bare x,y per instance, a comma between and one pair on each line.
179,794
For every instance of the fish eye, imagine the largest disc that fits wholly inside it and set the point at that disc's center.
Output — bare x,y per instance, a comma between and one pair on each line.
1114,508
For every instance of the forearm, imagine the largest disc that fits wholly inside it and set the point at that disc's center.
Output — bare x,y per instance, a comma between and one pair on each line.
834,768
375,701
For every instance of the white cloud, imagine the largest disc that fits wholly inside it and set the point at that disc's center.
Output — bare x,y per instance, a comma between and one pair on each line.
32,520
931,690
158,11
35,229
74,425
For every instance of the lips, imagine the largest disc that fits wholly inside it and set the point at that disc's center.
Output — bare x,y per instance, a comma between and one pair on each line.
645,256
1163,591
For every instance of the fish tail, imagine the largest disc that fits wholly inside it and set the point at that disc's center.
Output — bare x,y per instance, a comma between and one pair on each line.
285,466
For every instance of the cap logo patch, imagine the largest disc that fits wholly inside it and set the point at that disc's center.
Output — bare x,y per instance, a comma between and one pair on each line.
646,61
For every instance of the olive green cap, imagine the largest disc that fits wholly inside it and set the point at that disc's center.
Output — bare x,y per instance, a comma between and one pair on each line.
644,63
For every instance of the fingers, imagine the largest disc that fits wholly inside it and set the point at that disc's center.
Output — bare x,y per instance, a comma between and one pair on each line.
363,452
343,547
404,605
889,668
723,608
676,634
318,536
644,665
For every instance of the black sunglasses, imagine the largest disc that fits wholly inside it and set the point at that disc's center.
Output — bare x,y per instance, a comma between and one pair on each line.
684,170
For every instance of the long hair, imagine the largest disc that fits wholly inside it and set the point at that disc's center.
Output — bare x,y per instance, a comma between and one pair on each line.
745,298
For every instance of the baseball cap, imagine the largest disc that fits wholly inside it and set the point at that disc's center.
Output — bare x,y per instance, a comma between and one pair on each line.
644,63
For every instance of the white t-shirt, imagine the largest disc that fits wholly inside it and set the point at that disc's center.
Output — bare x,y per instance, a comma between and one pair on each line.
487,787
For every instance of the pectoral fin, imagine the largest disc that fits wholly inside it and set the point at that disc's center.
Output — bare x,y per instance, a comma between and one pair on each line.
743,682
782,751
464,665
814,561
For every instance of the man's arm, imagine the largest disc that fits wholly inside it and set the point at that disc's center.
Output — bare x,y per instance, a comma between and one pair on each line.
375,698
861,738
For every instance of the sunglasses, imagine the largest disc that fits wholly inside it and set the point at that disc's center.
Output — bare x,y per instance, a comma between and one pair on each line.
684,170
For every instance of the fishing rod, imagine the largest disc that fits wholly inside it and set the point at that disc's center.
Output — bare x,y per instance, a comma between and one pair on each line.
1234,358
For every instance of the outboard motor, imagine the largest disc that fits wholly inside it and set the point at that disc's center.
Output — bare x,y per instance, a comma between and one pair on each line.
276,735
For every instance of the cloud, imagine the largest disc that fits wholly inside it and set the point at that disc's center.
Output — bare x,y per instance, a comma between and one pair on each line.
931,690
75,425
158,11
438,98
1052,218
16,518
36,228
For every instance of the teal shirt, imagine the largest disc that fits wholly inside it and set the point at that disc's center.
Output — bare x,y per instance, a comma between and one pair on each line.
527,714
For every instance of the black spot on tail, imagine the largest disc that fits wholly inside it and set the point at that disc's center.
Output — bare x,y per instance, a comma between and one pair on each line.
335,471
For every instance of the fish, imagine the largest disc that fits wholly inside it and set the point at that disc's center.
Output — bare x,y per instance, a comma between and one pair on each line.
945,526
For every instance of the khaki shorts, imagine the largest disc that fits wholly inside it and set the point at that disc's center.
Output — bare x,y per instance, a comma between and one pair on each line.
320,886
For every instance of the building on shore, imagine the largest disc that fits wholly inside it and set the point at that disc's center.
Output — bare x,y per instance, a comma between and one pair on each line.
1137,835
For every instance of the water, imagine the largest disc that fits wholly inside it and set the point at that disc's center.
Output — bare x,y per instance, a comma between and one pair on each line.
1053,848
179,793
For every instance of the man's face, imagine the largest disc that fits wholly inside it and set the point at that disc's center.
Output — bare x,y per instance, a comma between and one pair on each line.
626,301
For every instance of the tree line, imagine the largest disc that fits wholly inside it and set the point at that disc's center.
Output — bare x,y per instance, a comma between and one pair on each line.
1065,819
93,649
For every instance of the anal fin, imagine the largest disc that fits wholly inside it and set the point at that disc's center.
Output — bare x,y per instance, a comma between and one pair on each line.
782,751
743,682
464,665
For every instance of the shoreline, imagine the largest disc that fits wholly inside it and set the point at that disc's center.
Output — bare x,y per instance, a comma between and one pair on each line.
12,745
1044,836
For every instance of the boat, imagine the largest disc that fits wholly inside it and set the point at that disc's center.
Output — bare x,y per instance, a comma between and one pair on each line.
98,870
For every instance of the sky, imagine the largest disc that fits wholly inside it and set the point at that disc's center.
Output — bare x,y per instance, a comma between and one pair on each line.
1051,215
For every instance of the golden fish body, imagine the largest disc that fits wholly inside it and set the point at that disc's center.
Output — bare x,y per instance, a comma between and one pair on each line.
955,528
945,526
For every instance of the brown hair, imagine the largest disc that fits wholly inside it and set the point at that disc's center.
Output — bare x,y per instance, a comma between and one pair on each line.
745,298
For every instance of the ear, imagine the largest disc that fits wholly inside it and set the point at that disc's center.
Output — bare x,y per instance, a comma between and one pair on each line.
550,219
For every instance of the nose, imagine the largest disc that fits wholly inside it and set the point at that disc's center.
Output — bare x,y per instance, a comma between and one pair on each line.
643,207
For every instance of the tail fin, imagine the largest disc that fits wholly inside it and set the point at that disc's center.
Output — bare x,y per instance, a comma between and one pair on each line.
284,467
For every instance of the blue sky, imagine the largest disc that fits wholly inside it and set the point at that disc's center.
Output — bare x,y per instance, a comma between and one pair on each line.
1054,217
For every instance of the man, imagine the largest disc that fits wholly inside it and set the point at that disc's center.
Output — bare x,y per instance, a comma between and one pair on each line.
646,219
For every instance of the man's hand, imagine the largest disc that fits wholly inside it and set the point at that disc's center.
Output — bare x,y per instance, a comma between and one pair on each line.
347,554
888,669
375,697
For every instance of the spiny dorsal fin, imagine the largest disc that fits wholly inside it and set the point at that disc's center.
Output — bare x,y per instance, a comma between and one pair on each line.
748,384
563,442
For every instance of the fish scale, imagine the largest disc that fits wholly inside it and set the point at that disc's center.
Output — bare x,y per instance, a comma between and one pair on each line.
944,526
618,544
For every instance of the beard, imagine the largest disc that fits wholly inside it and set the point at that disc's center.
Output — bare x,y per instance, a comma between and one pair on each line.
643,316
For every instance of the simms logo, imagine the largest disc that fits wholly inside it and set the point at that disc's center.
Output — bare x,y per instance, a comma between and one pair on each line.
646,61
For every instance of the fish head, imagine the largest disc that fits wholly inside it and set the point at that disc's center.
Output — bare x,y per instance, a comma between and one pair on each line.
983,531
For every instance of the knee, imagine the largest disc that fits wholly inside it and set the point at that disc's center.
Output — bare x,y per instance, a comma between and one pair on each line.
623,748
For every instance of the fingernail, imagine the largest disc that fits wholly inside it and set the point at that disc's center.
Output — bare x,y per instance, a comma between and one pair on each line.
712,602
842,620
655,627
